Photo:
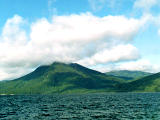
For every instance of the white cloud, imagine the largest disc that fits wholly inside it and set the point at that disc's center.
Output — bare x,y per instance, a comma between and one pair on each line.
141,65
68,39
51,8
148,8
97,5
11,73
156,22
115,54
138,65
146,5
12,29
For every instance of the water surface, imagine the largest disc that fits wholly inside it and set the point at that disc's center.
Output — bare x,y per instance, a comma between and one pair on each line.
121,106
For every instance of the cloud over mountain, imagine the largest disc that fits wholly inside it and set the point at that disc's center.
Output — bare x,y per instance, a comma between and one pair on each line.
82,38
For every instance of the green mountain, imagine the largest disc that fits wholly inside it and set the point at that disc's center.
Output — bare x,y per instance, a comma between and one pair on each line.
146,84
74,78
61,78
129,75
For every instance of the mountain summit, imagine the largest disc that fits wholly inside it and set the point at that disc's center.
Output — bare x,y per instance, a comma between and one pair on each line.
60,78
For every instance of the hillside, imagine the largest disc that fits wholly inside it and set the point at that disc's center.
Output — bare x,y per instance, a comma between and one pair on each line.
60,78
129,75
146,84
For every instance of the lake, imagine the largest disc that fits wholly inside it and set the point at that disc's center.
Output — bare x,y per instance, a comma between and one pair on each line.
119,106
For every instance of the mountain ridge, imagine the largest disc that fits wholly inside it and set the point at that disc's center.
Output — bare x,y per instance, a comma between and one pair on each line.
74,78
149,83
129,75
60,77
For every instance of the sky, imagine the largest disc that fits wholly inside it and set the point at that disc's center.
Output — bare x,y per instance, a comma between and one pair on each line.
103,35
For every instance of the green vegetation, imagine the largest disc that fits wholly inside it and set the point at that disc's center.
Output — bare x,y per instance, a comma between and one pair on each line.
147,84
60,78
74,78
129,75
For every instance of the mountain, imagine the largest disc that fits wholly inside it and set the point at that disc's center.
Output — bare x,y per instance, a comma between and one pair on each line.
74,78
61,78
146,84
129,75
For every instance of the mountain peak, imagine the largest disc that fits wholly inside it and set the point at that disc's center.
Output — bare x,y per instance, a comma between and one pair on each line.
61,77
58,63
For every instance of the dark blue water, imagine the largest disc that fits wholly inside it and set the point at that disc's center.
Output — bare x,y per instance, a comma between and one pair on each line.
121,106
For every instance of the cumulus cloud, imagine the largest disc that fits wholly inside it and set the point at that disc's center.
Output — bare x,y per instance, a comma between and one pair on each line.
10,30
73,38
117,53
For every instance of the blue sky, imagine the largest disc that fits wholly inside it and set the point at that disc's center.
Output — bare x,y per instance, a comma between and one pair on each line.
107,34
